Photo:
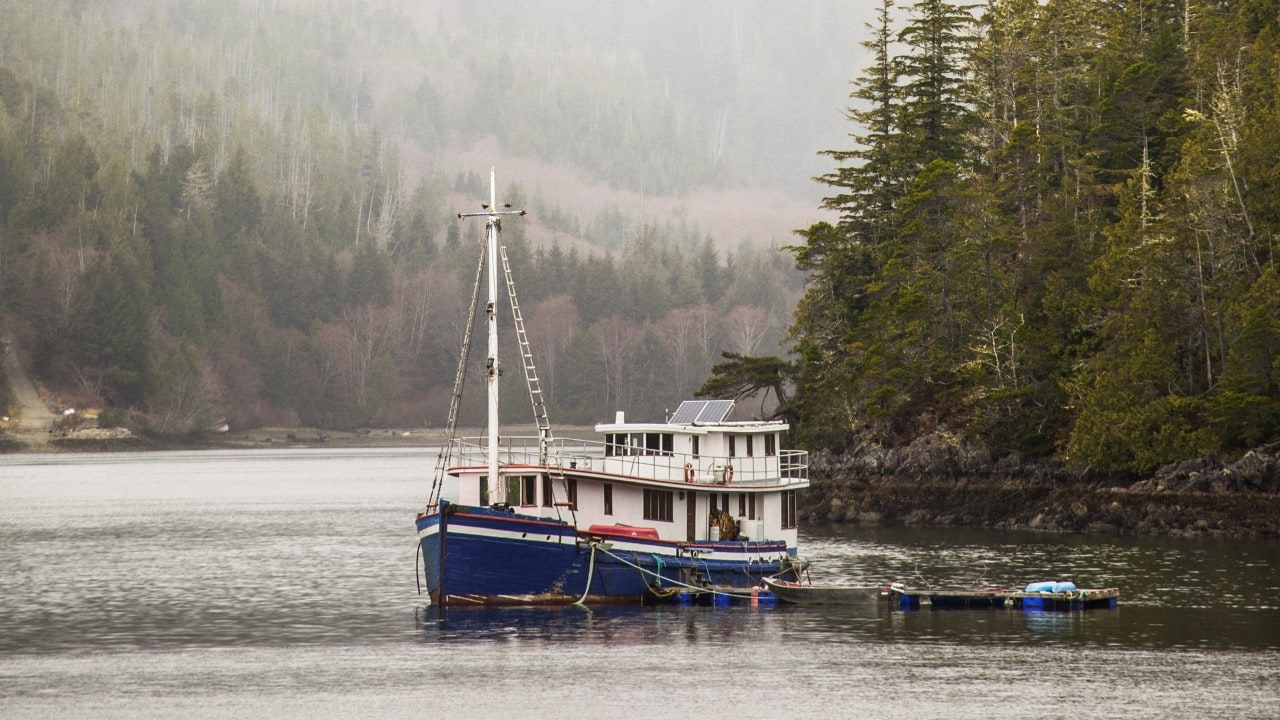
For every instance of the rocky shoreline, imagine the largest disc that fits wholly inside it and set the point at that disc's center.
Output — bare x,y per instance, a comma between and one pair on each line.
943,481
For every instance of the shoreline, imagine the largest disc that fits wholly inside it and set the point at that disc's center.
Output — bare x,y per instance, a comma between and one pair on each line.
1184,504
119,440
1061,507
945,482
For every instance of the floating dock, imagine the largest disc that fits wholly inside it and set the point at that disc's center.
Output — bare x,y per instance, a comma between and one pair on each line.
1078,599
776,592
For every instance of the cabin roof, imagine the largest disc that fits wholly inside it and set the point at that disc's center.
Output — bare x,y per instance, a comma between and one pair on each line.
696,417
739,426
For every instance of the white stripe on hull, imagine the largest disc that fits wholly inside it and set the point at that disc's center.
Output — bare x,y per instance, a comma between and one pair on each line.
618,544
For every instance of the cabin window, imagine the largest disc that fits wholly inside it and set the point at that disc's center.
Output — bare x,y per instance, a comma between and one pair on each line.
751,507
732,446
788,509
573,493
528,490
608,498
668,443
695,439
659,505
484,490
548,492
742,504
770,444
749,444
619,444
652,444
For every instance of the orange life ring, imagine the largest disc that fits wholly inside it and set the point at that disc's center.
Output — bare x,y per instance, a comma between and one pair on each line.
688,472
728,474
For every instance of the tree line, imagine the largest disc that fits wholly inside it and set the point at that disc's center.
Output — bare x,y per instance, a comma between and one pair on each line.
1057,233
203,224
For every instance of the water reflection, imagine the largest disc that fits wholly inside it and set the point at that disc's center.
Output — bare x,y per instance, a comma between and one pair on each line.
607,625
1149,627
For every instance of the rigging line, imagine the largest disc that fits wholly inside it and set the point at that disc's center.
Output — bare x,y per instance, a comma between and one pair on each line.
534,387
459,381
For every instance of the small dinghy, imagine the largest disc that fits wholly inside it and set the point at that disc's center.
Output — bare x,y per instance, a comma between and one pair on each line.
809,594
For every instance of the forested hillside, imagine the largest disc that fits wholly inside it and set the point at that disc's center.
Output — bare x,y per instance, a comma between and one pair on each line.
206,212
1058,234
1054,223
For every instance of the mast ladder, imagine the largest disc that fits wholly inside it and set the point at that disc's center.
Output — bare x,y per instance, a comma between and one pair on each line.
530,371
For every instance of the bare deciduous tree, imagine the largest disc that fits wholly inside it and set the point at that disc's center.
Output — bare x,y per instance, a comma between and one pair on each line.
553,323
745,326
619,342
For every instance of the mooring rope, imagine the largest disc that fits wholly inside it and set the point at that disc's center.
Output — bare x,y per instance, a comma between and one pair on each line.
591,568
660,577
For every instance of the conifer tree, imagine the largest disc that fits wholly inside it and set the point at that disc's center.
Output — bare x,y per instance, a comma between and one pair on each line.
936,114
868,178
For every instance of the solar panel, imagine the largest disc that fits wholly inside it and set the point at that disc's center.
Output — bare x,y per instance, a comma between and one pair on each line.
688,412
701,411
715,411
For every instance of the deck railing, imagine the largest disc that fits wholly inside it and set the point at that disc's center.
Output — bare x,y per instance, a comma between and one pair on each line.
786,466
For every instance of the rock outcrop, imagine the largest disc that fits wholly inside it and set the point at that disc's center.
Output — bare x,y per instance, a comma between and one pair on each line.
942,480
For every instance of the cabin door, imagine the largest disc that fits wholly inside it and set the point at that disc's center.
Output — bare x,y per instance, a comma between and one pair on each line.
693,516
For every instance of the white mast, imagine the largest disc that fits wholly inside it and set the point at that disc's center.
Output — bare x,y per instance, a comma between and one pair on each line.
497,487
493,225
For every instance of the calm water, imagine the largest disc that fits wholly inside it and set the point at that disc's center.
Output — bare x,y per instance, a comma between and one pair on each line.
282,584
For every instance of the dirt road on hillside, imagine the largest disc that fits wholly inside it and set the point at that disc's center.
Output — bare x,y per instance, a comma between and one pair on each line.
34,419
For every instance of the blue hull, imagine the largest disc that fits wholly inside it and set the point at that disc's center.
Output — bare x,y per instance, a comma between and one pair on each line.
482,556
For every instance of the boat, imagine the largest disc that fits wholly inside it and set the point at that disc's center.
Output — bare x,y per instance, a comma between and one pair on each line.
646,511
909,598
802,593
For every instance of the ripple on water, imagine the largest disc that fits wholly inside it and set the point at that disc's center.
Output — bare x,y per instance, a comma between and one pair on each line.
283,585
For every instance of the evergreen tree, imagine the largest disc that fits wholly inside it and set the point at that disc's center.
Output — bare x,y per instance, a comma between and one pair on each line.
871,177
237,203
936,113
111,338
369,282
